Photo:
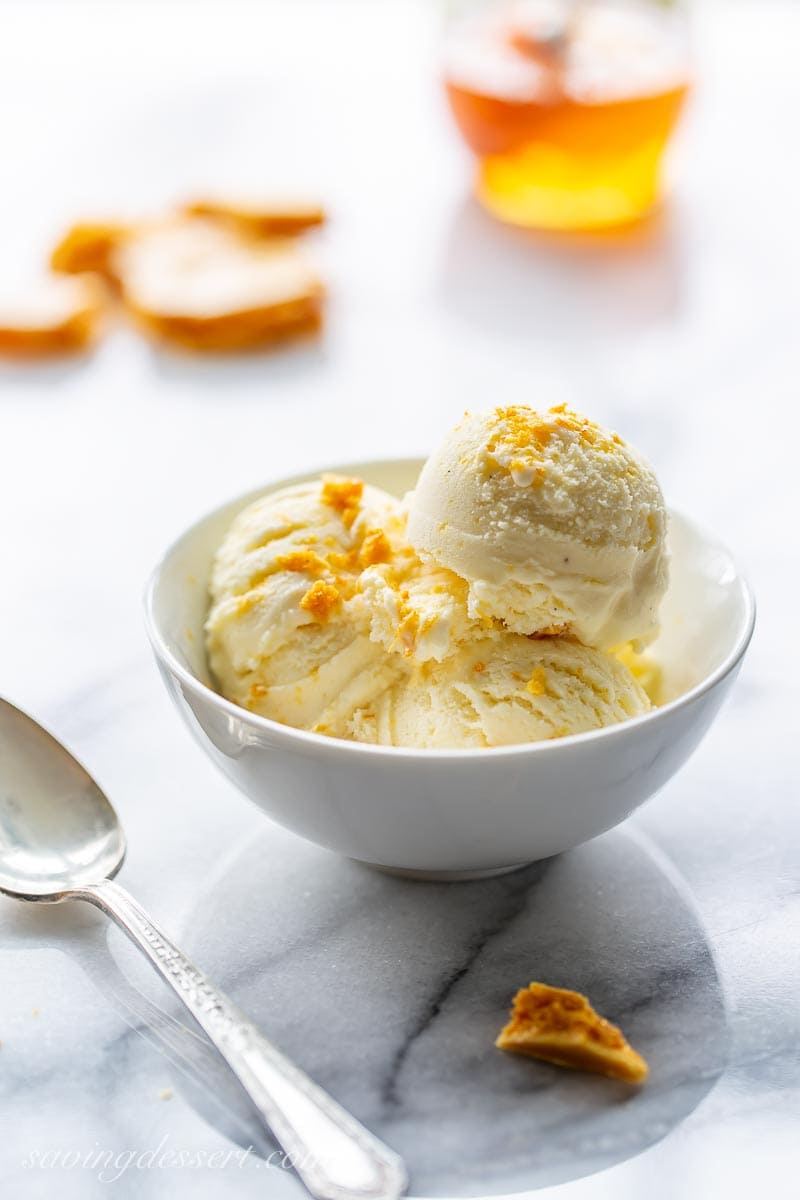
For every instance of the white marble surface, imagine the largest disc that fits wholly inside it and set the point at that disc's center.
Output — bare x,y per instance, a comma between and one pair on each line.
684,336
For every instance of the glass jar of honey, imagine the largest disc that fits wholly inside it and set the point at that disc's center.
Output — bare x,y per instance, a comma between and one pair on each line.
568,105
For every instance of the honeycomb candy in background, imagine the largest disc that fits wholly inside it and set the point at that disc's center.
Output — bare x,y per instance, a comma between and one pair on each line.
205,287
260,217
55,315
89,246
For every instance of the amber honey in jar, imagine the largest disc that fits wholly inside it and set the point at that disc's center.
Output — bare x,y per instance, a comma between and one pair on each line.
568,105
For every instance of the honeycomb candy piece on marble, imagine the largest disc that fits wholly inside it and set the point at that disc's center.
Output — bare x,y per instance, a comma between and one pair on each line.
561,1027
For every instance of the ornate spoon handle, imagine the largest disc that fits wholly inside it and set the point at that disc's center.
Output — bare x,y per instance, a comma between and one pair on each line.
334,1155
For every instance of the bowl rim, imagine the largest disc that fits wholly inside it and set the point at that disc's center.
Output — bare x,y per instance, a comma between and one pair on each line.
324,745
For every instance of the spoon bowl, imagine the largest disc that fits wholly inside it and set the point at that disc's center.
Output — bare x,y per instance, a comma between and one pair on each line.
57,828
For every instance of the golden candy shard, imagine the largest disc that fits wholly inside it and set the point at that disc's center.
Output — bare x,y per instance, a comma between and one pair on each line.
561,1027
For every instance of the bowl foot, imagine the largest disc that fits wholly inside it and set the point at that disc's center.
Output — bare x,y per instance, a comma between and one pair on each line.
447,876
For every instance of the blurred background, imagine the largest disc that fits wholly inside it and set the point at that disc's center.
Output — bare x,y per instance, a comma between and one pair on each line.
678,330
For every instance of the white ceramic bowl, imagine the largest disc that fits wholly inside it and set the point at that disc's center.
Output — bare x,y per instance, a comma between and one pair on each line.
456,813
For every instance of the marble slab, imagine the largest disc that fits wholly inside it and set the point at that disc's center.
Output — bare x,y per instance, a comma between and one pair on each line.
391,992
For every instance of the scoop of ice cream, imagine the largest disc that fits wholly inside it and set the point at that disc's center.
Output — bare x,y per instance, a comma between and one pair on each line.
555,524
500,690
287,632
417,609
324,617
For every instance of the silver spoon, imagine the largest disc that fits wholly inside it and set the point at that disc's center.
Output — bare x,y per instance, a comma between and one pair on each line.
60,839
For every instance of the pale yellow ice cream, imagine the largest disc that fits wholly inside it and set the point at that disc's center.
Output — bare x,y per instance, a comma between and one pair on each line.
416,609
500,690
287,632
542,544
554,523
331,623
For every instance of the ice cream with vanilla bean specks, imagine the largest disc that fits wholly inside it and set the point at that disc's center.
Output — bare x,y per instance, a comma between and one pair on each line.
482,610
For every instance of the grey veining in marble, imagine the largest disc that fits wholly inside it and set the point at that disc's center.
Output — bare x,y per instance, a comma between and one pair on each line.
391,993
